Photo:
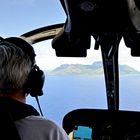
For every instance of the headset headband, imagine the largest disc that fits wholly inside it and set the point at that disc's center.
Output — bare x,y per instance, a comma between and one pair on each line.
25,46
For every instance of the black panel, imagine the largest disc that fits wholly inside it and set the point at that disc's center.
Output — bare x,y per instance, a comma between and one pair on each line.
106,124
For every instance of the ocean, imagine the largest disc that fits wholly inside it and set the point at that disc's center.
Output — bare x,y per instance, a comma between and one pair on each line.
65,93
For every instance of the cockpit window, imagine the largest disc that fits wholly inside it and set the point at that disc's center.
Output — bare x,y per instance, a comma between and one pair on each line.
73,83
70,83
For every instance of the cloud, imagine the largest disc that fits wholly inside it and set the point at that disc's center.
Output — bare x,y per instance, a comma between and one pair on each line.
46,57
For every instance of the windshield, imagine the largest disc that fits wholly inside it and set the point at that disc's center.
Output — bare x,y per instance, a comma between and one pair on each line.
70,83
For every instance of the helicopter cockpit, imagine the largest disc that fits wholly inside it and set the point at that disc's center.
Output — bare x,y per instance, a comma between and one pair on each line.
107,22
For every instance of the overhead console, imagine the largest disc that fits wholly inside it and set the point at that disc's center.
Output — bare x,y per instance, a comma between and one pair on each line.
107,21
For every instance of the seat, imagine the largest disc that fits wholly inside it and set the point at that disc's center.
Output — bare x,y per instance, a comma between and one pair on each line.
8,129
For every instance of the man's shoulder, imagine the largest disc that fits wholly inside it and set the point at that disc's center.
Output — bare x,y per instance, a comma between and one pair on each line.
38,125
38,120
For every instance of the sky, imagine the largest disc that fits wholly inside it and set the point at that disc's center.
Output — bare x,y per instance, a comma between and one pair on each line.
20,16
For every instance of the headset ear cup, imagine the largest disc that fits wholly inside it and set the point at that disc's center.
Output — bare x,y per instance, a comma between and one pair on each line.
35,82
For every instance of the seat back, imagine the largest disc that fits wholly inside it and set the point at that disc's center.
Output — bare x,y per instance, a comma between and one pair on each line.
8,129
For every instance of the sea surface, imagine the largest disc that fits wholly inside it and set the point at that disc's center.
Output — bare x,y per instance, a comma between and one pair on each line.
65,93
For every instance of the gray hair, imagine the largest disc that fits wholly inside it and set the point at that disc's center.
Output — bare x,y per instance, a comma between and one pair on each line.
15,67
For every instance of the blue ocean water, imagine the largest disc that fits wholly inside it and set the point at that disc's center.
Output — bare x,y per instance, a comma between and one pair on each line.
65,93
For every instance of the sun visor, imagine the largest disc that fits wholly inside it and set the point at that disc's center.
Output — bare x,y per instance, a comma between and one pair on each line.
68,45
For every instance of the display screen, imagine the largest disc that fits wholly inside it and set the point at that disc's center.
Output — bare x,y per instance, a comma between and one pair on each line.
82,133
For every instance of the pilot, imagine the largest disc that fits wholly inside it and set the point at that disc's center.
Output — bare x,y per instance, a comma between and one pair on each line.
19,77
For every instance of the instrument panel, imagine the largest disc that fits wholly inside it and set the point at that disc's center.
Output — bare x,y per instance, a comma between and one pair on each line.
94,124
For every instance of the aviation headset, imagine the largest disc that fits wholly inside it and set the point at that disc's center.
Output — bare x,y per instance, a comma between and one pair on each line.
36,77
